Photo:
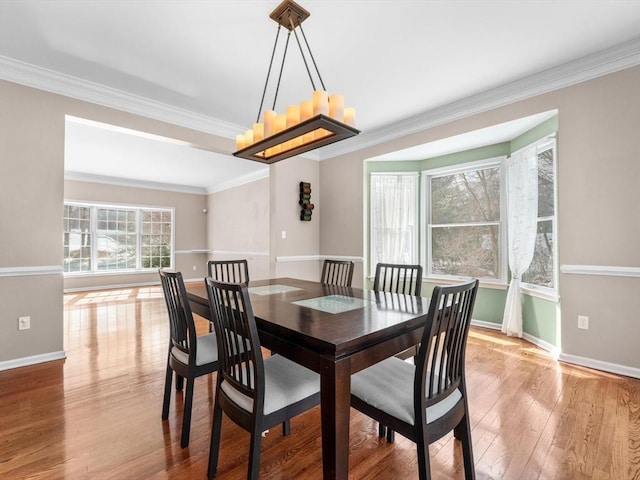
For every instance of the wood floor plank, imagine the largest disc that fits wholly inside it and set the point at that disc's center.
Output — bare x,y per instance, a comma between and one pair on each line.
96,415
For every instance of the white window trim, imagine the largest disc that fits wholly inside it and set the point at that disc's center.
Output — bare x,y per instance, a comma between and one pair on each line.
138,208
546,293
425,247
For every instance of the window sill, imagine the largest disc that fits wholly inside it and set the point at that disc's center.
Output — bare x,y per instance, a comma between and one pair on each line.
109,273
546,294
452,281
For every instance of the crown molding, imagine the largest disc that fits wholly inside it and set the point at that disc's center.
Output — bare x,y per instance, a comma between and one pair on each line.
236,182
607,61
124,182
601,63
51,81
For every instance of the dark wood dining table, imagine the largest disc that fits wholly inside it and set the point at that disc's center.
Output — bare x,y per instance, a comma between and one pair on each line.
335,331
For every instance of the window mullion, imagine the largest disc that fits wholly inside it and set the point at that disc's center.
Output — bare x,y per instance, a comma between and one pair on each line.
138,239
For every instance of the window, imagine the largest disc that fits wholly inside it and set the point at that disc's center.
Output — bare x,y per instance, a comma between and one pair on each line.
77,238
465,224
541,272
107,238
394,218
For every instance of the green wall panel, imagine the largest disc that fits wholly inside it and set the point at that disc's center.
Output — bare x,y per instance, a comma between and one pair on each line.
540,318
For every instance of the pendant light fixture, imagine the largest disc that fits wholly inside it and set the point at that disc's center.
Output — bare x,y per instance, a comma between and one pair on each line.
315,122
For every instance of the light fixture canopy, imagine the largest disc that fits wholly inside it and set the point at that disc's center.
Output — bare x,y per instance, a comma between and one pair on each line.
311,124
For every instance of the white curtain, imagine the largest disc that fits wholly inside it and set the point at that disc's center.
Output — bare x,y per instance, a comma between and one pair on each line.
522,216
393,216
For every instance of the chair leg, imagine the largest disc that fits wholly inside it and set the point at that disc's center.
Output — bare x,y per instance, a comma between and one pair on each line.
214,447
286,427
186,417
179,383
167,392
382,430
424,465
254,454
391,435
463,433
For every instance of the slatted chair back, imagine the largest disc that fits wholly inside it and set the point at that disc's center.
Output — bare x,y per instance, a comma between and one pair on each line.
398,278
440,359
182,326
240,357
337,272
231,271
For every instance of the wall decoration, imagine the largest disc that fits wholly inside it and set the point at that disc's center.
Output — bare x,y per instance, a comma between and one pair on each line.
305,202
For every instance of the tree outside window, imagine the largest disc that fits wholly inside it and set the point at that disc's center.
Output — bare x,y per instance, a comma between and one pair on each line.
465,223
541,271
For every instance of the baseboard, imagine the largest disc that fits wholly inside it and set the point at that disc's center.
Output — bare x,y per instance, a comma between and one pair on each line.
564,357
552,349
32,360
600,365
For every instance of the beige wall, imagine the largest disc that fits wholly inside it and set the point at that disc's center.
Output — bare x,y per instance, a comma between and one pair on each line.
302,237
599,218
599,206
32,126
238,226
190,224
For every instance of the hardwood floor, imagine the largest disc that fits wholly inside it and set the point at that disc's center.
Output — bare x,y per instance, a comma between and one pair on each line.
96,415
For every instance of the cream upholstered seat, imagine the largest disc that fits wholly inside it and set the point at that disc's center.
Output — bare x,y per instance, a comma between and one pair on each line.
255,392
426,401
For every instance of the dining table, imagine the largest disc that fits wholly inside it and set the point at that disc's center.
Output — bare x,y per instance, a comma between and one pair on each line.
335,331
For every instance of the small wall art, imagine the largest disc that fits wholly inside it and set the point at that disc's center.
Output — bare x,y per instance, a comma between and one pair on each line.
305,202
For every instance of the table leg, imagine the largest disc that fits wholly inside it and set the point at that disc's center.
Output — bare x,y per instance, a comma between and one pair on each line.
335,398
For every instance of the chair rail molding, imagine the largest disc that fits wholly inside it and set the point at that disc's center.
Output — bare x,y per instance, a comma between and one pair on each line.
613,271
27,271
311,258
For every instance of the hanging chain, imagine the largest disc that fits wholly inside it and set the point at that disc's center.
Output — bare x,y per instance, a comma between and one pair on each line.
284,56
313,85
312,59
264,91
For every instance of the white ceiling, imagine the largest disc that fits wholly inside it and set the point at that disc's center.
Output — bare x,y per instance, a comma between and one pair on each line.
206,61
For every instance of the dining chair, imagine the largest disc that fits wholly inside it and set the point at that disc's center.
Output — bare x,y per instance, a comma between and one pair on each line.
234,271
256,393
189,355
337,272
425,401
406,280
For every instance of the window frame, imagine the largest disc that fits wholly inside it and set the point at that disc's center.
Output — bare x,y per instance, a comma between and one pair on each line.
95,234
547,293
426,244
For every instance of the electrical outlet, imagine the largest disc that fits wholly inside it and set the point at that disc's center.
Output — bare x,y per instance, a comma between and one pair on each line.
24,323
195,267
583,322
